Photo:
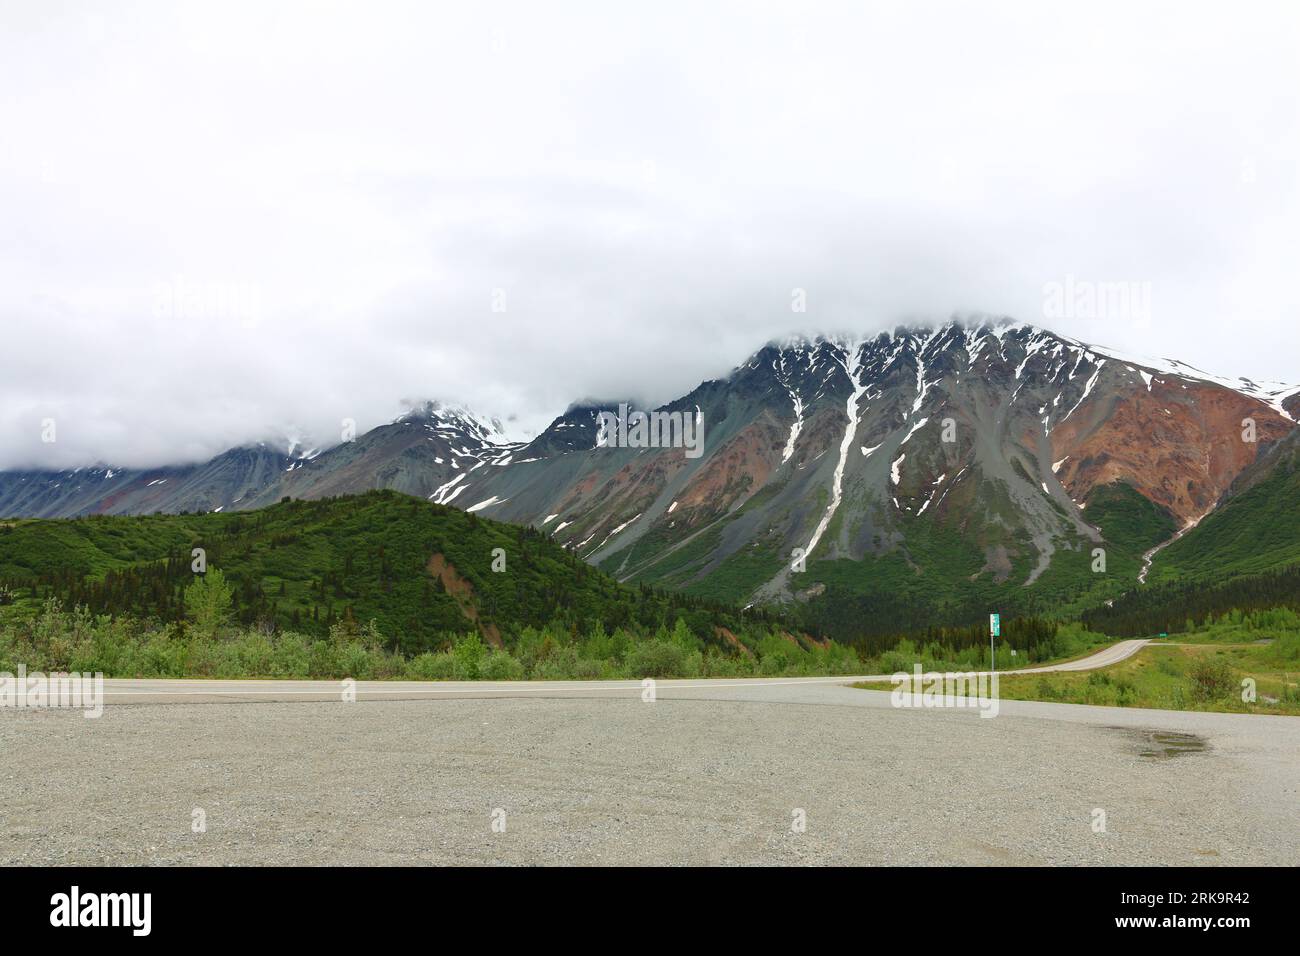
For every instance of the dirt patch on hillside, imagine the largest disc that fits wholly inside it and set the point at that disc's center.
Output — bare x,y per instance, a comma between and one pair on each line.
463,593
806,641
732,640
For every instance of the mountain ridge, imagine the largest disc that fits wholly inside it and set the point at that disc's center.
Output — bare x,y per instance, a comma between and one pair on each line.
972,446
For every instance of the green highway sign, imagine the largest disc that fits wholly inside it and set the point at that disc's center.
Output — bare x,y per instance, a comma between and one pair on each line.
995,625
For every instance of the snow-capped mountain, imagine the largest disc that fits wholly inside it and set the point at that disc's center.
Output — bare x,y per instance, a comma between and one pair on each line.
993,454
964,449
417,452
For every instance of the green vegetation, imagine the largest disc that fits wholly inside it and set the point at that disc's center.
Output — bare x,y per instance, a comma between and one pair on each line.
942,579
304,566
442,593
1244,557
737,576
1183,606
1207,673
937,579
1256,531
1034,641
683,563
1127,520
58,640
208,601
382,585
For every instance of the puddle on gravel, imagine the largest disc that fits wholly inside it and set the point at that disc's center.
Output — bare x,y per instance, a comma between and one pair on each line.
1165,744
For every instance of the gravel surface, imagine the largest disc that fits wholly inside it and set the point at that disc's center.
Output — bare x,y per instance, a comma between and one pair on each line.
618,781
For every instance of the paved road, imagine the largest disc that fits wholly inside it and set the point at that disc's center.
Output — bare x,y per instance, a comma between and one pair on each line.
711,772
208,691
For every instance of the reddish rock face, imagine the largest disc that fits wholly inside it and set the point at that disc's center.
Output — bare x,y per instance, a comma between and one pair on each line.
627,492
736,470
1180,444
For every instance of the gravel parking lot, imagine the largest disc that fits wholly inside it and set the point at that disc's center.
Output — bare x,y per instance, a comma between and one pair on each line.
582,780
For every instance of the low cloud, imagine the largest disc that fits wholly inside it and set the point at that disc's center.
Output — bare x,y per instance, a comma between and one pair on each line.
243,225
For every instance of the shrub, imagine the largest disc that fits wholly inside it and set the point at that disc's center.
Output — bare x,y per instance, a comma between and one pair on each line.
1211,678
498,665
291,657
321,662
720,665
779,654
430,666
354,661
469,653
891,662
557,665
588,668
253,653
208,602
1287,647
655,659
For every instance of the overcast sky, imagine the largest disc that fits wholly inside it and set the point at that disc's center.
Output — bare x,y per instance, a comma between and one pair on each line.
225,222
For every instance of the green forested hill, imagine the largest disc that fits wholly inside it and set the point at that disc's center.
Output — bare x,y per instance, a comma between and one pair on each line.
1127,520
1256,530
306,565
1244,556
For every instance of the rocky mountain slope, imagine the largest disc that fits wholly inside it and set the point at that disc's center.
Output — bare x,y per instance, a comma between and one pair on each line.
416,454
952,467
835,448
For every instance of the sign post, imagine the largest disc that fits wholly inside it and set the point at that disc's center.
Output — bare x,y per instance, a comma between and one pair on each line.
995,630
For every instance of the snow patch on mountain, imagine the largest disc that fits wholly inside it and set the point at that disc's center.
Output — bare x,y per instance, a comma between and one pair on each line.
797,426
1087,389
852,364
